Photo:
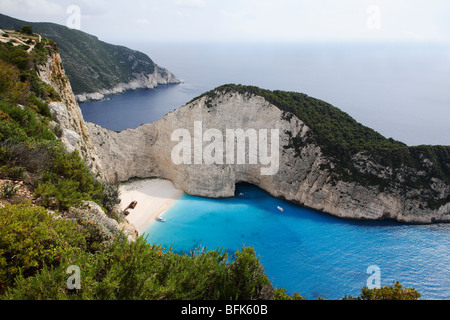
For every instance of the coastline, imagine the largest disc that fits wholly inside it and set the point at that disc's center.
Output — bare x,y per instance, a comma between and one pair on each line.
154,197
151,81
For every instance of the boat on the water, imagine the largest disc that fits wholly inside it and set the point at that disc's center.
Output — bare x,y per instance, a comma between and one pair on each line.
160,219
280,208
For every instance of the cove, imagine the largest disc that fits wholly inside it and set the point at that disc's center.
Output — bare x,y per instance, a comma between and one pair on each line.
307,251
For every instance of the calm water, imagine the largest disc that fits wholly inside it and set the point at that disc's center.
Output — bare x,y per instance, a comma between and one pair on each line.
308,252
399,90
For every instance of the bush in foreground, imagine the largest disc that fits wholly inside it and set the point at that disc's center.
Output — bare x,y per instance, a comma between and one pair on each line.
138,271
395,292
31,238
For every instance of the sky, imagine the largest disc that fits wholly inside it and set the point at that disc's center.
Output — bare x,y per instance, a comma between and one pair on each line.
245,20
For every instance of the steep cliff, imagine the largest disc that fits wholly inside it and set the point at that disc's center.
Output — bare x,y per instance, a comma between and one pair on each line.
308,173
96,68
75,136
67,113
38,108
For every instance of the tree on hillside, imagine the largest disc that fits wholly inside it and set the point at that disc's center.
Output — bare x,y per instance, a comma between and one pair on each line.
27,30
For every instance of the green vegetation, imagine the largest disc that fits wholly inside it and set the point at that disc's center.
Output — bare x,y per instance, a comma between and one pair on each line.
27,30
21,83
26,143
395,292
90,64
39,242
131,270
31,238
137,271
333,129
341,138
68,182
37,246
8,191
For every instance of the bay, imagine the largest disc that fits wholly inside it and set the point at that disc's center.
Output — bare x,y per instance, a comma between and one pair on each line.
400,90
309,252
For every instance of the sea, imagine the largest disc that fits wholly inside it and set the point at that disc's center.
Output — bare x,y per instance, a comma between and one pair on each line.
400,90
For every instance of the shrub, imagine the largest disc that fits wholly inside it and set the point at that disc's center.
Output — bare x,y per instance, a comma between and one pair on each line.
27,30
30,237
58,130
98,235
8,191
32,156
72,167
137,270
110,196
12,131
247,278
23,120
281,294
395,292
41,107
14,173
67,182
24,47
12,88
62,194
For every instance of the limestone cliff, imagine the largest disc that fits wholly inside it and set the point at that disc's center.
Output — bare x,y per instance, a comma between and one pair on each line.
75,136
305,174
67,113
160,76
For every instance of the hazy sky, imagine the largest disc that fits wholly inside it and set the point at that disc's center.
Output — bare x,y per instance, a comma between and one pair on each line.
247,20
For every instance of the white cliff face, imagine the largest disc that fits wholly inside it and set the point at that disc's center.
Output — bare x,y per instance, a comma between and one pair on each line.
75,136
160,76
74,133
302,176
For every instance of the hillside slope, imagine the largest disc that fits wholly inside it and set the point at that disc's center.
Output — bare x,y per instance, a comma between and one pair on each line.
96,68
55,215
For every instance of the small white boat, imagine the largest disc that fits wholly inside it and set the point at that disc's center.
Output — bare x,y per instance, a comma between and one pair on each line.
160,219
280,208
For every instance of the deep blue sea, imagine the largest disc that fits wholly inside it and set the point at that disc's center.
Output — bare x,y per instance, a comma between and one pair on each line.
399,90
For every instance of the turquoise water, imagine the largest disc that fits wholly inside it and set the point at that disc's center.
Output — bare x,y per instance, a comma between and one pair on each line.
309,252
400,91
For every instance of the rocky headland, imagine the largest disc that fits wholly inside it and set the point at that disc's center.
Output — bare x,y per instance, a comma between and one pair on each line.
307,175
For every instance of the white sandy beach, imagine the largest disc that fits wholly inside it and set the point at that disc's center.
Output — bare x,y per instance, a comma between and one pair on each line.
153,196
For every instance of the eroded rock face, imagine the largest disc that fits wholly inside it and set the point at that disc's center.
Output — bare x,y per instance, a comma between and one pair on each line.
302,176
75,136
74,133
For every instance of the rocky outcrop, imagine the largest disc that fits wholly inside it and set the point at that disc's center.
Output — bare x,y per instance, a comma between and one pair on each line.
68,116
160,76
304,175
75,136
101,228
